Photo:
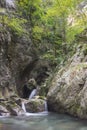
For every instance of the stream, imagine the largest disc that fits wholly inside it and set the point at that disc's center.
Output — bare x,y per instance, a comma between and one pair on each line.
51,121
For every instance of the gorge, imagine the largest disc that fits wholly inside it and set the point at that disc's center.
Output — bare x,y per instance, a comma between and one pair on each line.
43,65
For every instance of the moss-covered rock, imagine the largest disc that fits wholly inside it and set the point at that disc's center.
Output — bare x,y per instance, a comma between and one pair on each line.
3,110
35,105
14,109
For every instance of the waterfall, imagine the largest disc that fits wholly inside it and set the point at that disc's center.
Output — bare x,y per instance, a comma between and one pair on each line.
46,108
33,93
45,112
23,107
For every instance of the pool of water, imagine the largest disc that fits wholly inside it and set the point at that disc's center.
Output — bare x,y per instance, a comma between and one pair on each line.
51,121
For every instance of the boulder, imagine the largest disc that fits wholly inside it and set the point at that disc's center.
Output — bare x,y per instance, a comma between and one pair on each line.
14,109
4,111
35,105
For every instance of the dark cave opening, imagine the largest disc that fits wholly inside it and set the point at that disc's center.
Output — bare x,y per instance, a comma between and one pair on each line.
26,91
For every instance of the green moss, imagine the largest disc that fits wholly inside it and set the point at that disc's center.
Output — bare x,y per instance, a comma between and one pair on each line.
85,51
74,108
43,91
16,25
12,104
2,10
42,97
81,65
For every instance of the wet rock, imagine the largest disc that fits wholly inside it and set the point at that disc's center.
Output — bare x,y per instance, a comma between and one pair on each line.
4,111
14,109
35,105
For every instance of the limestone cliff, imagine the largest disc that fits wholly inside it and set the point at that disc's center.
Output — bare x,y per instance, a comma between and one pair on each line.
68,89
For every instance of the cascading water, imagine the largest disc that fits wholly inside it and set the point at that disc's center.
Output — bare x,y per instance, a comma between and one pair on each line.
33,93
35,114
46,108
23,107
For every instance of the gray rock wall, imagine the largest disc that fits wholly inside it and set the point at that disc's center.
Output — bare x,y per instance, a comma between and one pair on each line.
7,82
68,89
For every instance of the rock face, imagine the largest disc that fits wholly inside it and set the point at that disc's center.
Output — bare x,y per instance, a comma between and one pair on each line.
7,81
14,109
19,62
4,111
16,62
11,107
68,91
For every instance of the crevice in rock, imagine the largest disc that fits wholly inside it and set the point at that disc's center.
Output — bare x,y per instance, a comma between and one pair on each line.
25,91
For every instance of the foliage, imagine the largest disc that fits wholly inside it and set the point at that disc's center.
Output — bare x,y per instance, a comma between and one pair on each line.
15,24
52,23
77,27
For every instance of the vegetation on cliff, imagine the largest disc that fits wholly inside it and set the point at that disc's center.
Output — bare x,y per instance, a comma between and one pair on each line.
52,25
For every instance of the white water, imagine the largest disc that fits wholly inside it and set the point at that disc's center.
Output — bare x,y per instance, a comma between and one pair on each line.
23,107
46,107
44,113
34,114
33,93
